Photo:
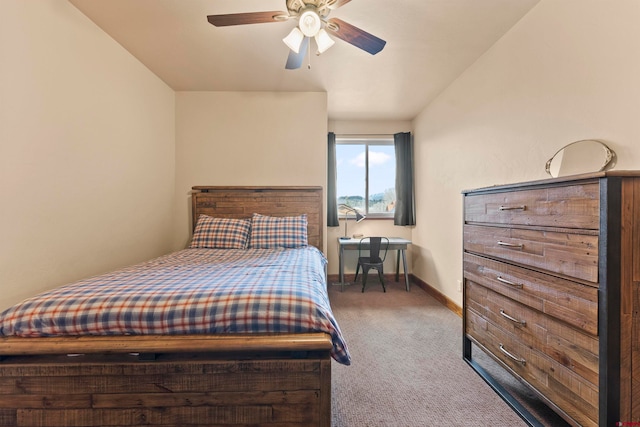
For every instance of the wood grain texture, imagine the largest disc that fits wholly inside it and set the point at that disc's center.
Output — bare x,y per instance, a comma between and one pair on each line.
568,254
16,346
626,300
630,303
245,18
633,397
576,267
565,300
265,392
536,370
574,206
539,331
243,202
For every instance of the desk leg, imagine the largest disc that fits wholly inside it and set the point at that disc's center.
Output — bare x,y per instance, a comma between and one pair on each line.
406,273
341,267
398,265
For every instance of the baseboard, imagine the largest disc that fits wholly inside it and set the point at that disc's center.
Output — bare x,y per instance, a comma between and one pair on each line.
334,279
437,295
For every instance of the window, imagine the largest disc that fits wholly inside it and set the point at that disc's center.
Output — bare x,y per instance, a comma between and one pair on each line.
366,175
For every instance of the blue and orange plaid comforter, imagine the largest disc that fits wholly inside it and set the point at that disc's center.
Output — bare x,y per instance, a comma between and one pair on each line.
192,291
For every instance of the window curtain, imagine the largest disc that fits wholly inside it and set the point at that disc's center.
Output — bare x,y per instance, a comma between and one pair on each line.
332,203
405,211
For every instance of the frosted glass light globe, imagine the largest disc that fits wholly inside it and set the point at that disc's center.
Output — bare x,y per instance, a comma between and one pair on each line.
309,23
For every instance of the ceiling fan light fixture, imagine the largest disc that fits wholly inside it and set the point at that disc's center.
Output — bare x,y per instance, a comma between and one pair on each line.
294,40
312,22
323,41
309,23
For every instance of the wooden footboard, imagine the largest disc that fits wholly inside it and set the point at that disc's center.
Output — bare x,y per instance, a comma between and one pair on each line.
271,380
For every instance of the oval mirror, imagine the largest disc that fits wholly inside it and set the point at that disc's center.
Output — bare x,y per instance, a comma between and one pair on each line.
588,155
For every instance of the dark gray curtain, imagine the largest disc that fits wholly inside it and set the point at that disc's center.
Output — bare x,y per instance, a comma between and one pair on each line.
332,208
405,212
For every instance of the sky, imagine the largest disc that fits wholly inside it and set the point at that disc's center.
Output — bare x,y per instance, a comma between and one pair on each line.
350,161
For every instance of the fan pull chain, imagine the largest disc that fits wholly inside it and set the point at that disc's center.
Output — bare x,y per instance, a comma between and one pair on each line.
309,56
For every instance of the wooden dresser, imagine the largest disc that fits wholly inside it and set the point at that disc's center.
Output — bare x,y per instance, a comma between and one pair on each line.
551,292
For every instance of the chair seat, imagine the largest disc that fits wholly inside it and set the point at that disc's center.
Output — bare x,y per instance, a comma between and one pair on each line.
369,260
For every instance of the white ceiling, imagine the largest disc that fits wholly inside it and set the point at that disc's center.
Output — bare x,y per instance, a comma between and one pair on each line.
429,44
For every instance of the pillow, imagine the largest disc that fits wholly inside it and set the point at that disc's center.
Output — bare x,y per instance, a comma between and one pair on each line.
220,233
268,232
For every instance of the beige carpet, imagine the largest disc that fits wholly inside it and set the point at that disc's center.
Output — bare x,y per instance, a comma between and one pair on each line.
407,368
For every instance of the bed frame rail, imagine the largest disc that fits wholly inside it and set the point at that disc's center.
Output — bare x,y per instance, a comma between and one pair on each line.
268,381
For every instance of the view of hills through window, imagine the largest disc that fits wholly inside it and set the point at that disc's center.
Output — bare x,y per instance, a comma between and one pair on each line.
361,163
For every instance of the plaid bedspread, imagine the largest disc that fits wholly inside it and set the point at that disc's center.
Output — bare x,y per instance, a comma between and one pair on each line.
189,292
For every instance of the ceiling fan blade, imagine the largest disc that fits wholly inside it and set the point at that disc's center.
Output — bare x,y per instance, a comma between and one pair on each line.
247,18
337,3
355,36
294,61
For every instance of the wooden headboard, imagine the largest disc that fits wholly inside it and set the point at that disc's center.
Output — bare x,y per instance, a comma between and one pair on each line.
243,202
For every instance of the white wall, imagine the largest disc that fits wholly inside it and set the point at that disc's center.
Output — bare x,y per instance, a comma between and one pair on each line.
86,151
247,139
569,70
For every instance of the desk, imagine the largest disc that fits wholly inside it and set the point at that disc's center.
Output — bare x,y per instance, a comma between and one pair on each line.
395,243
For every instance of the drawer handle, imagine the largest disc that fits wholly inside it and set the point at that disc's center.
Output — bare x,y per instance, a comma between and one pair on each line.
511,245
513,319
508,282
512,208
511,356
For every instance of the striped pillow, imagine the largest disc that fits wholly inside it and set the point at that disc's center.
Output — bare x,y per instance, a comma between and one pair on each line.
268,232
221,233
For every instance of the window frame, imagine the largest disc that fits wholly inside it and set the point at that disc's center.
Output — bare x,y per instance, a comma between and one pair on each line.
367,141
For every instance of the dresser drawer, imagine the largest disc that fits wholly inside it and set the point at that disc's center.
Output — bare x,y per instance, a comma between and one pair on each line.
568,254
537,331
568,301
558,361
573,206
547,377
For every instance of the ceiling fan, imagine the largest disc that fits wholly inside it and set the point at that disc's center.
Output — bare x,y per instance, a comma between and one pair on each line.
312,22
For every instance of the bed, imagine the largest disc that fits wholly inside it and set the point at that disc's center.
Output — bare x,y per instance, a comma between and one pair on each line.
146,365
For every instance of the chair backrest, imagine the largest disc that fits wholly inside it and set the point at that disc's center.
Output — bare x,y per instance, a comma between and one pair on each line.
377,246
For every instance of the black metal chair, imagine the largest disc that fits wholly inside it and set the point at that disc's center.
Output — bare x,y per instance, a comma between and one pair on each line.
377,253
